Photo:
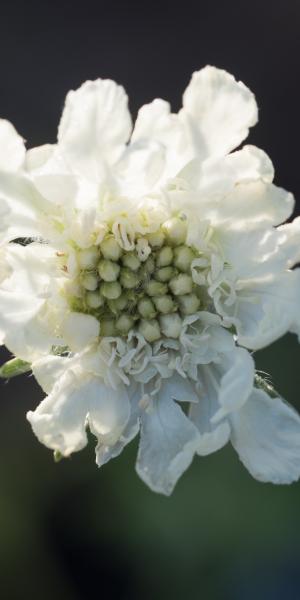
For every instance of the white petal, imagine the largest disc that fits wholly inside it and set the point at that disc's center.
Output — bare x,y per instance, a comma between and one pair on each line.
51,175
12,149
266,435
251,252
265,310
5,269
25,204
23,295
223,388
22,328
105,451
31,268
140,168
5,213
109,411
212,436
255,203
59,422
219,111
80,330
167,446
290,242
16,309
95,126
218,176
37,158
48,370
155,123
180,389
237,382
295,326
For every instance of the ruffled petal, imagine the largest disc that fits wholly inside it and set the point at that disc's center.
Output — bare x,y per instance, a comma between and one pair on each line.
60,420
167,446
94,127
218,111
266,435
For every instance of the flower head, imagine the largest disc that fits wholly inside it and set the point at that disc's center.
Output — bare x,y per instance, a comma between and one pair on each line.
152,265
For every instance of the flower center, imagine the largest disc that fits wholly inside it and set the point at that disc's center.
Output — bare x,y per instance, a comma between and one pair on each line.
149,289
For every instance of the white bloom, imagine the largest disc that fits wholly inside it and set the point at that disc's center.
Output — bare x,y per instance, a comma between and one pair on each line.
150,261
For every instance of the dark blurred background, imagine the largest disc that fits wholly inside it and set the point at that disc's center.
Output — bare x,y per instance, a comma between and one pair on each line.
69,531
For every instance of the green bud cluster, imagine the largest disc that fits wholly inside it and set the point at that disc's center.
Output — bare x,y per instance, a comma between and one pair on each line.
124,292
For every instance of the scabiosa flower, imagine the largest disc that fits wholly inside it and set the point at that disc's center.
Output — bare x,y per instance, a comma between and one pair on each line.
138,274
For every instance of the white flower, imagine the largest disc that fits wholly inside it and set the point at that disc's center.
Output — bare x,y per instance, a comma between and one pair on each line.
152,264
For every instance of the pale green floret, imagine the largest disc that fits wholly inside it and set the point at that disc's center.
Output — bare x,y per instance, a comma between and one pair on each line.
164,256
108,270
156,239
156,288
149,265
175,230
189,304
88,257
118,304
94,300
147,268
183,256
171,325
89,281
150,330
110,248
108,328
128,279
181,284
164,304
146,308
111,290
124,323
164,274
131,261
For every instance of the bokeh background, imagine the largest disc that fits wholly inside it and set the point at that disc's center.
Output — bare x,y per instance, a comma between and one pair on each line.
69,531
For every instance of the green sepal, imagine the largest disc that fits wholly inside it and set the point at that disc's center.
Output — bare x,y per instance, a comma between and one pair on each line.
14,367
57,456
